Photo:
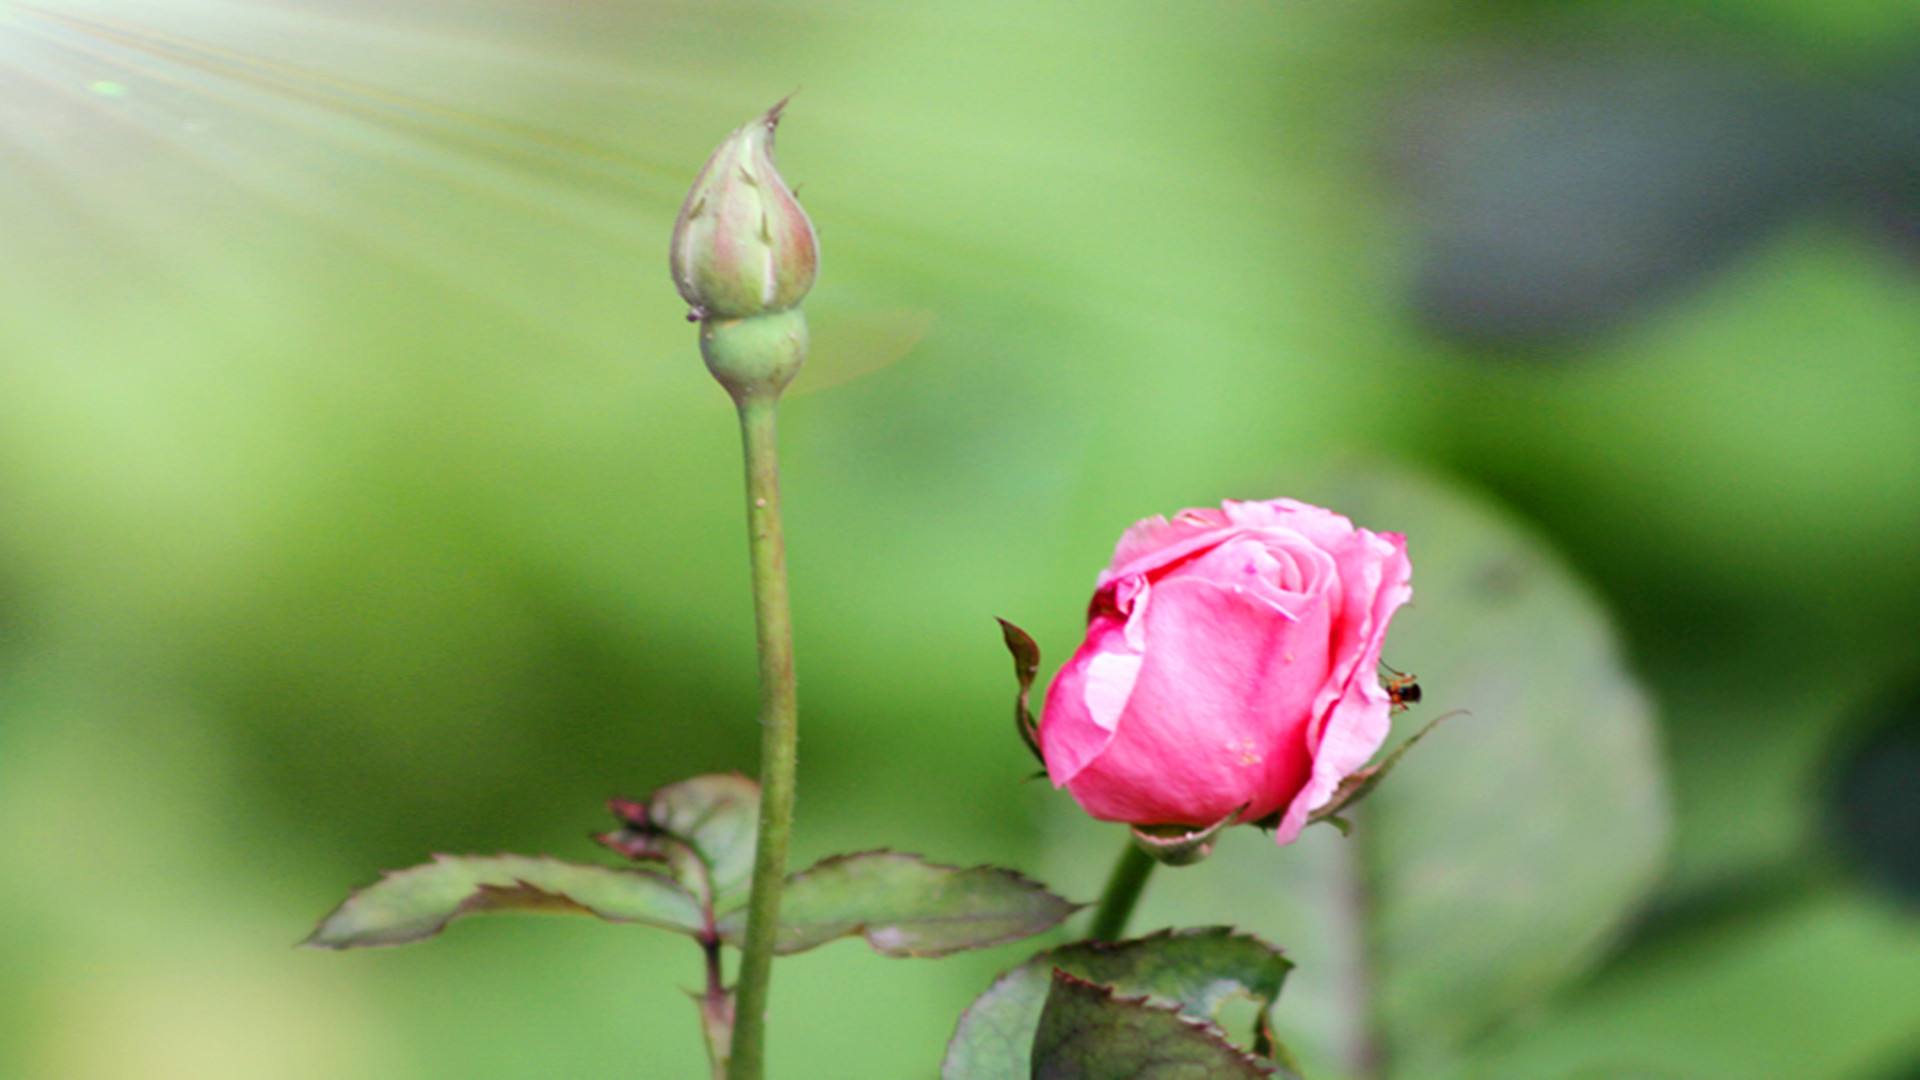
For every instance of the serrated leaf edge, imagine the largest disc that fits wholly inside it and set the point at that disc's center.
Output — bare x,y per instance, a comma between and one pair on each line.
466,904
863,929
1069,907
1206,1028
1169,933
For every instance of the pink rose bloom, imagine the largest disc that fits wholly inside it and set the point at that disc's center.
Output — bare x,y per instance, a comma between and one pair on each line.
1230,661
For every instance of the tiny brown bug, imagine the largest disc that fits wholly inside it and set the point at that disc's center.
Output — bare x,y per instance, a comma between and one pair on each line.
1402,689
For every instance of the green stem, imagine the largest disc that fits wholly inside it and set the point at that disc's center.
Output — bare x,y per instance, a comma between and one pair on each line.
1124,886
779,730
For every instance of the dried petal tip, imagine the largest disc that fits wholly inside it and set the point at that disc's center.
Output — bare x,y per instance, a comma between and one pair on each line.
742,245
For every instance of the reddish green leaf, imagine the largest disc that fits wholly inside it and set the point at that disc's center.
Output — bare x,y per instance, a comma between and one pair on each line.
906,906
418,902
1088,1033
1194,971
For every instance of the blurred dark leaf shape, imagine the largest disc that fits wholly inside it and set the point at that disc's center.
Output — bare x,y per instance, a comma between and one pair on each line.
1502,857
1566,190
1193,972
1087,1032
1498,861
1873,796
906,906
418,902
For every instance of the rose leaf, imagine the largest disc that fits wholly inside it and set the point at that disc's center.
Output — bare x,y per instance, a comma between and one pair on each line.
1193,971
1087,1032
419,902
906,906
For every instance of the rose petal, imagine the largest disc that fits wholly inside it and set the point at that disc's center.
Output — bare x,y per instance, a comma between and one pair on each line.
1323,527
1155,542
1357,719
1177,712
1150,535
1086,699
1110,679
1218,714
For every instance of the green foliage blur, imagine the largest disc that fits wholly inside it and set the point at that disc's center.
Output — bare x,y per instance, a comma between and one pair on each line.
362,494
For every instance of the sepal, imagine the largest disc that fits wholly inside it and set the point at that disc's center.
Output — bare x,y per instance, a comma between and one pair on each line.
1026,667
1362,783
1181,845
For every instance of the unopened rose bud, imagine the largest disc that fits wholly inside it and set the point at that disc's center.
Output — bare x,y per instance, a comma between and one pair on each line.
742,246
1229,670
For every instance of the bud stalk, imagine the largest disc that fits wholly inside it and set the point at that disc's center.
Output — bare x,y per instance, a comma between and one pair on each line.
743,256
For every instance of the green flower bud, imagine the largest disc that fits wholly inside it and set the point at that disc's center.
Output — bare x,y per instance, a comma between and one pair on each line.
742,245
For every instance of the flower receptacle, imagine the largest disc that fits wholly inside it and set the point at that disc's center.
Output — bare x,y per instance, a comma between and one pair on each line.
755,357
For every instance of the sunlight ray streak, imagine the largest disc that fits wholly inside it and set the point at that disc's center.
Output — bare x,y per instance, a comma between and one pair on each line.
294,125
489,136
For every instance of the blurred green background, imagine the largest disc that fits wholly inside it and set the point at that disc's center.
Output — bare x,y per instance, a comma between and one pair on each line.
362,494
